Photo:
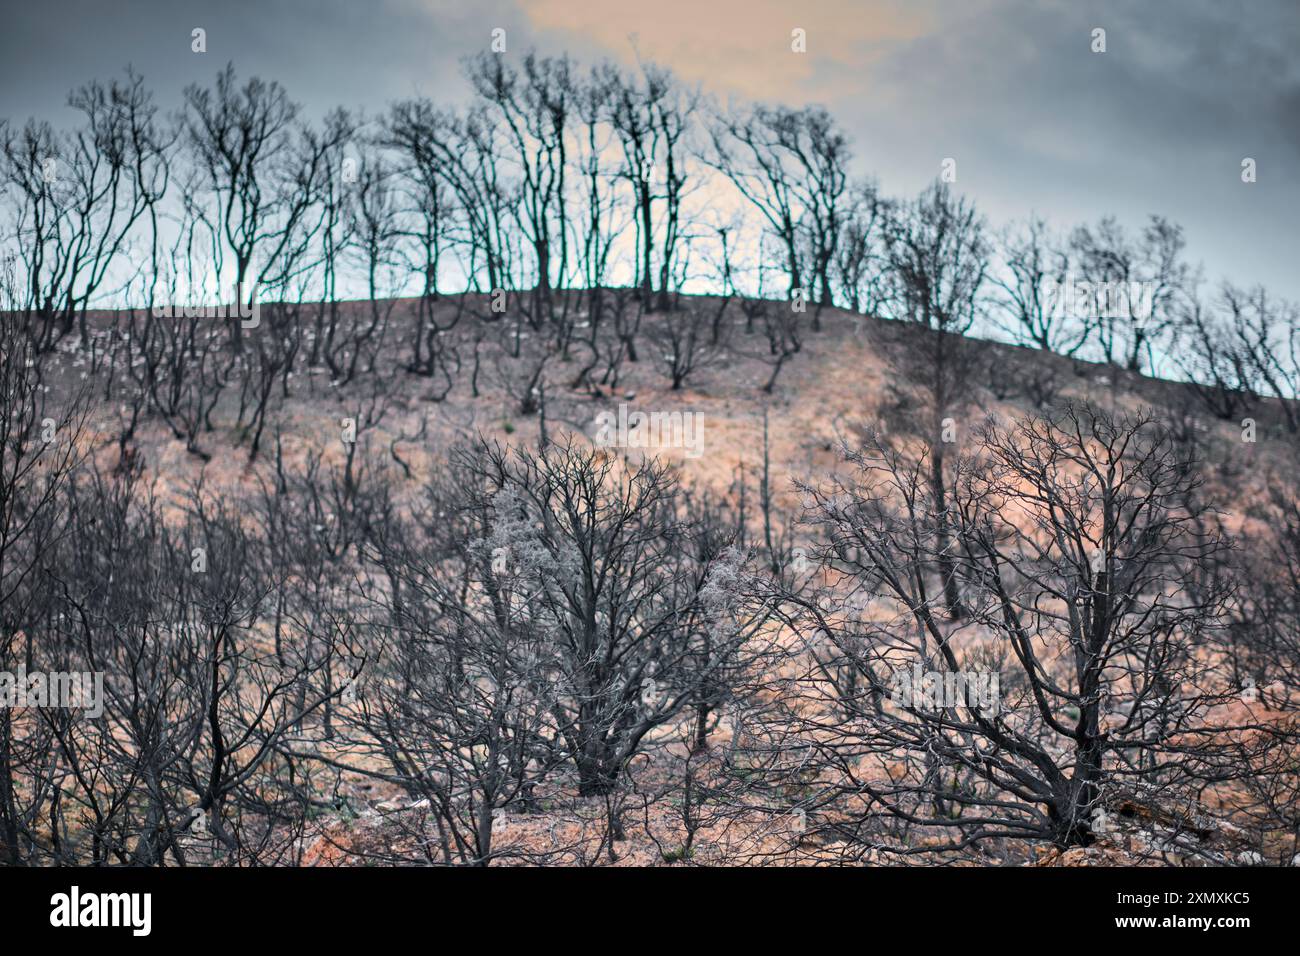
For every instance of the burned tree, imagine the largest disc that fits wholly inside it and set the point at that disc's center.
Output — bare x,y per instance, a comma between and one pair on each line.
619,595
938,257
1127,287
1080,672
1032,282
80,199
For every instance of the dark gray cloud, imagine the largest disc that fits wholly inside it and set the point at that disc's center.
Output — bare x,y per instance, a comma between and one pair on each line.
325,53
1160,122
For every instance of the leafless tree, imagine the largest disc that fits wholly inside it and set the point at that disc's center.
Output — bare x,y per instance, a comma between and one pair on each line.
533,111
1128,286
1238,348
240,139
860,259
791,165
938,258
681,343
1073,538
80,199
1035,268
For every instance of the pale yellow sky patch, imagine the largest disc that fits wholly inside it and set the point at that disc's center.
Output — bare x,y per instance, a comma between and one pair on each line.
739,46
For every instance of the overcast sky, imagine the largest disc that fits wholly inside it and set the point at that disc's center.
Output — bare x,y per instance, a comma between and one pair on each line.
1036,121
